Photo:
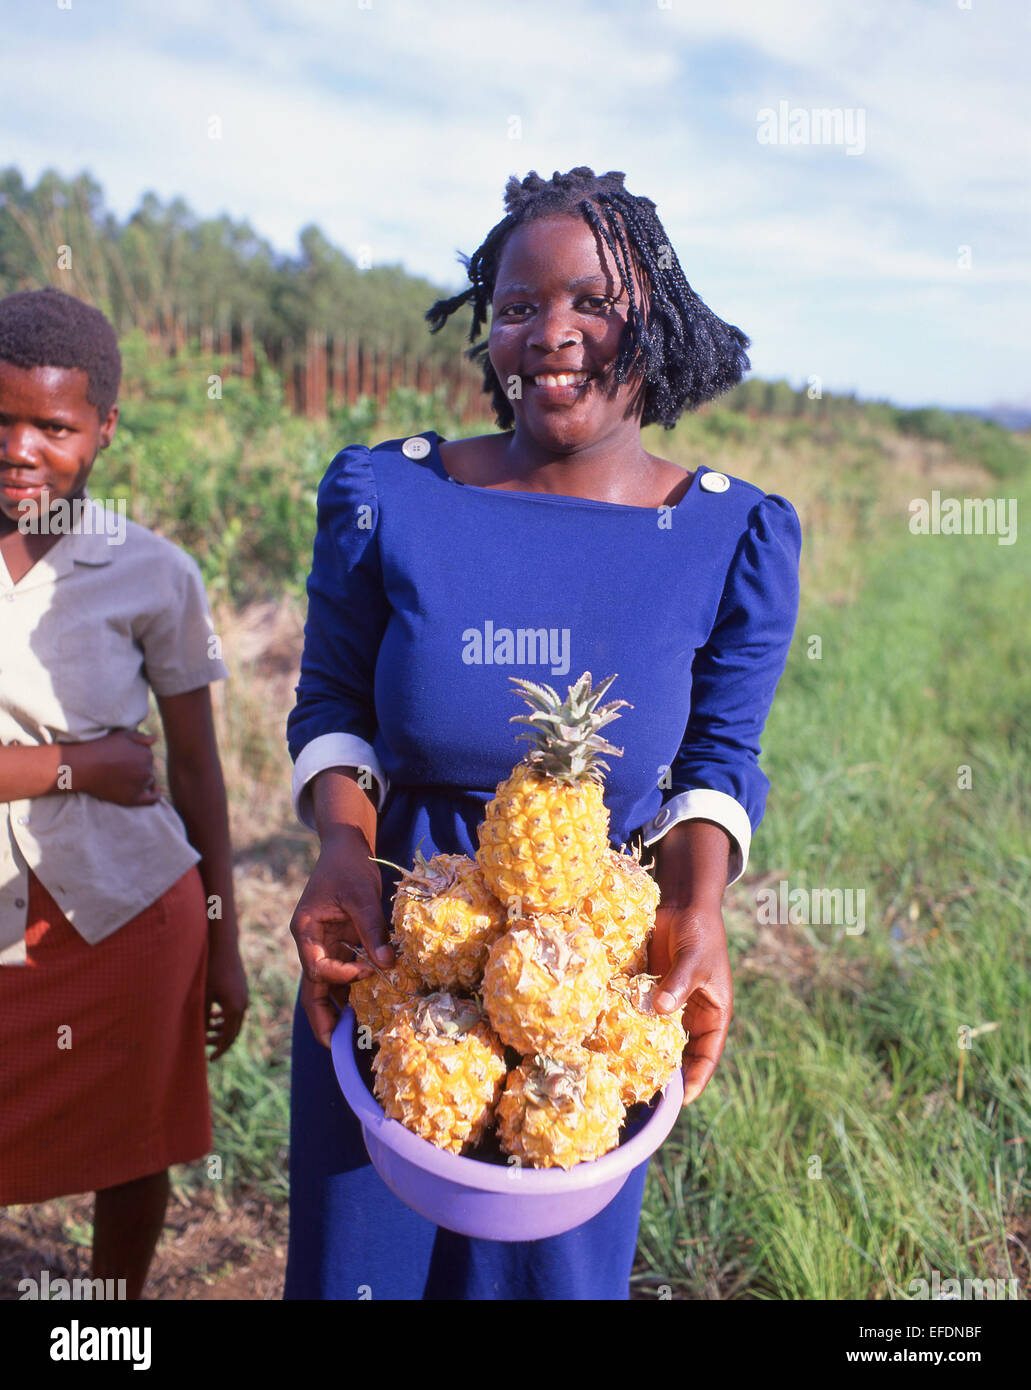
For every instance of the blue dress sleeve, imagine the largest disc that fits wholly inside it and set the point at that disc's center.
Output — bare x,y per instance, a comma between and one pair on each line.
333,722
716,774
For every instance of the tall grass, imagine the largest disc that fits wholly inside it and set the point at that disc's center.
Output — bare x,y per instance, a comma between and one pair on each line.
834,1155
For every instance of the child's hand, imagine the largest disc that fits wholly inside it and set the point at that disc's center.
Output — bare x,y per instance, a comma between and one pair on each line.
118,767
225,998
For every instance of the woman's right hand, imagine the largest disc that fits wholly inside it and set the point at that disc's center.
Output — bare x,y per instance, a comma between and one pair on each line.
340,909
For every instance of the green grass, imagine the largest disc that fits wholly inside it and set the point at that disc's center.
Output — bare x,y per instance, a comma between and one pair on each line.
250,1099
851,1071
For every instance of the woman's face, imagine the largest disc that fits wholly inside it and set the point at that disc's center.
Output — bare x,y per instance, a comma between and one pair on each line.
559,306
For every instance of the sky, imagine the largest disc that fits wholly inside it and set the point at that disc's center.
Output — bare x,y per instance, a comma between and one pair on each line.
882,247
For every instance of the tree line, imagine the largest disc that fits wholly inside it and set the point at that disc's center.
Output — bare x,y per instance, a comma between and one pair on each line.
174,275
333,330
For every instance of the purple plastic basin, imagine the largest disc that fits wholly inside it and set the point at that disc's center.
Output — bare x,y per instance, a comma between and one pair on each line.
489,1200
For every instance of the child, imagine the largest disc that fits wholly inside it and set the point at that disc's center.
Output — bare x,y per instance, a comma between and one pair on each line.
118,951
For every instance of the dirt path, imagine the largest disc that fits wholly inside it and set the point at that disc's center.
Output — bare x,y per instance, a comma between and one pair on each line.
205,1253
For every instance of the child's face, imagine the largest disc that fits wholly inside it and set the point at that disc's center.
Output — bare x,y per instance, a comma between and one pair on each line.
49,436
559,303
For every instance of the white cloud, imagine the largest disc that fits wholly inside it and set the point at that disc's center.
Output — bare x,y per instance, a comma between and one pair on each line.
389,126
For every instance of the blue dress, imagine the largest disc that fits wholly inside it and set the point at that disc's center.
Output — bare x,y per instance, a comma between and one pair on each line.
425,596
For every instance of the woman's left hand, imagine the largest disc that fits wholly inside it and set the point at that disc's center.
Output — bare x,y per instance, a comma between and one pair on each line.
689,954
225,997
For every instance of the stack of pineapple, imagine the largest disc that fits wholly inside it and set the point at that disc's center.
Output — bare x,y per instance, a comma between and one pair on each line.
539,945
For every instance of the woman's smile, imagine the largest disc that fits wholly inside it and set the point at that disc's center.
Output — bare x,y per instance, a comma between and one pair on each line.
561,388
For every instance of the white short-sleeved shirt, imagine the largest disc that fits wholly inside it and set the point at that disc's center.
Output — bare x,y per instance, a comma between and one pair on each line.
111,612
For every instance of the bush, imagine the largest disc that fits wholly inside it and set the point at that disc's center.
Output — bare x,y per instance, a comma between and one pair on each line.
971,437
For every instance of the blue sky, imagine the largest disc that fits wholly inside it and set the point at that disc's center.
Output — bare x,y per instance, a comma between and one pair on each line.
394,125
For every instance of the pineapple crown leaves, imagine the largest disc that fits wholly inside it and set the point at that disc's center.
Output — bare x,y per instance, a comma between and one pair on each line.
635,852
391,865
556,1081
361,954
553,948
447,1015
564,738
638,991
424,879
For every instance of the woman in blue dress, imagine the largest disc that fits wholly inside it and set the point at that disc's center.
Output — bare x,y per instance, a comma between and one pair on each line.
558,545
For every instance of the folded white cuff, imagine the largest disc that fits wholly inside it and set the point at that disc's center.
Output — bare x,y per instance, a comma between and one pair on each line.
702,803
332,750
16,953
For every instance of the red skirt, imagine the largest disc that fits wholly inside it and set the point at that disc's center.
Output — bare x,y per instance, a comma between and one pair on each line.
103,1071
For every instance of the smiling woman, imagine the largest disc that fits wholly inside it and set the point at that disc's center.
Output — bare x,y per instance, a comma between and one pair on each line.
595,332
561,523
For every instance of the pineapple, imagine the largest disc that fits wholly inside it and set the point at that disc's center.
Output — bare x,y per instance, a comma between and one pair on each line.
560,1109
446,920
621,909
545,982
641,1048
440,1071
376,998
545,832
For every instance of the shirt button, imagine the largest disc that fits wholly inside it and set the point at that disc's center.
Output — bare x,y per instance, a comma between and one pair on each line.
19,902
714,482
416,447
662,818
23,820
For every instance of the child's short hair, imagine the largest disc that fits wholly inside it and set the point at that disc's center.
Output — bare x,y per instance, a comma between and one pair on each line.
688,355
48,328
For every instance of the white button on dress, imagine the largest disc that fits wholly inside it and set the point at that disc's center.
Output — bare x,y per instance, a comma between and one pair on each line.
416,447
714,482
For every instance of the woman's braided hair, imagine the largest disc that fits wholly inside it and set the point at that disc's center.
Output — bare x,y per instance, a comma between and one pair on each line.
686,353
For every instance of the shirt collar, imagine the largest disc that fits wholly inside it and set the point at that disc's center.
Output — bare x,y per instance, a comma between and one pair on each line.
95,530
93,533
